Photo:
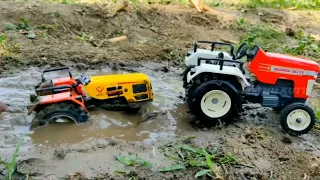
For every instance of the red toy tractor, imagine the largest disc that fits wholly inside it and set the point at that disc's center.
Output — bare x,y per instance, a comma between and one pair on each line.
216,86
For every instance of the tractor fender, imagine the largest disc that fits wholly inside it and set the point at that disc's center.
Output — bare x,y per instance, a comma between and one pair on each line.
192,59
218,83
56,98
215,69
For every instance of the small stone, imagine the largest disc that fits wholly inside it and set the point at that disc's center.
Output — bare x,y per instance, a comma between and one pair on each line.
247,107
102,144
252,115
112,143
284,158
314,168
114,67
243,140
290,32
94,60
122,64
163,69
286,139
60,153
247,133
81,66
261,115
125,32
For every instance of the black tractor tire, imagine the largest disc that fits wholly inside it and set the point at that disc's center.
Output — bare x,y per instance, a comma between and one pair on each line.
285,113
277,110
133,110
184,76
72,111
195,102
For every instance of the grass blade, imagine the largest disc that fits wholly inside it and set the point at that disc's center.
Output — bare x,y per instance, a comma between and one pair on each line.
122,172
195,150
173,168
210,164
202,172
124,160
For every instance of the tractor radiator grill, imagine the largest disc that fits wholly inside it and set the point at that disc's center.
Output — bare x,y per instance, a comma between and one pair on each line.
140,97
139,88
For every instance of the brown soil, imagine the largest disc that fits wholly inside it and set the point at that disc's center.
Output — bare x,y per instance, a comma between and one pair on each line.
155,33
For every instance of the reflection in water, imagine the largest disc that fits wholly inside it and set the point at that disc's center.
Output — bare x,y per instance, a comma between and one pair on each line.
16,90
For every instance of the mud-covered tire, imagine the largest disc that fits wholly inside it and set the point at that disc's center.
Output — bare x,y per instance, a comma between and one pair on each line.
71,111
232,100
297,119
184,76
277,110
133,110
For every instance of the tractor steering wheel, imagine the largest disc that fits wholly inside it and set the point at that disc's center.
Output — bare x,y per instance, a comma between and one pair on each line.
242,50
195,46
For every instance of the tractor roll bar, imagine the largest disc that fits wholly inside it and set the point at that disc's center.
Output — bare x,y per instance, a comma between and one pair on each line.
57,69
221,61
213,45
54,88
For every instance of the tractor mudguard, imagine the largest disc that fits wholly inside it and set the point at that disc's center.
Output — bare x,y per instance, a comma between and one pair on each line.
57,98
192,58
215,69
218,83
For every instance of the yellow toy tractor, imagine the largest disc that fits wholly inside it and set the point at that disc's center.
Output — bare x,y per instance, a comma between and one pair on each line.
71,98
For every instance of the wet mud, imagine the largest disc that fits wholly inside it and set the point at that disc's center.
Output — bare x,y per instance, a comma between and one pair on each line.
90,148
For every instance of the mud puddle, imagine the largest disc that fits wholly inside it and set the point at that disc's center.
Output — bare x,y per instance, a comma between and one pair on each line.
163,118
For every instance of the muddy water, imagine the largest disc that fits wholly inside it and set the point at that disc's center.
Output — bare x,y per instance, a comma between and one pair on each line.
170,120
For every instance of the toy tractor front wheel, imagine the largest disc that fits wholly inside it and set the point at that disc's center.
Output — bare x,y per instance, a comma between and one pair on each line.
66,111
215,100
297,119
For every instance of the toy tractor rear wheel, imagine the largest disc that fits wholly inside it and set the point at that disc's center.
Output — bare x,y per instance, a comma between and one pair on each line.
69,111
184,76
215,100
297,119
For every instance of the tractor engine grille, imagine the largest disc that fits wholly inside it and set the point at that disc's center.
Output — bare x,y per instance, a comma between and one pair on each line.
139,88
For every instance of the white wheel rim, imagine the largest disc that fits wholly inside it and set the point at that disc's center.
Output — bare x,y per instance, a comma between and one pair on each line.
215,103
298,120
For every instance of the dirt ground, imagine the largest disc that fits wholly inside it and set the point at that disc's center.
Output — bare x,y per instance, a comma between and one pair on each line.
158,35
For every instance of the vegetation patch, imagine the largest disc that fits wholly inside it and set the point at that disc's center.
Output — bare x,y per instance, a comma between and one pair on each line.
281,4
207,161
267,36
11,165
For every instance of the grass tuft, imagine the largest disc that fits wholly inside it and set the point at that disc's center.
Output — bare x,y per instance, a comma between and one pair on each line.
11,166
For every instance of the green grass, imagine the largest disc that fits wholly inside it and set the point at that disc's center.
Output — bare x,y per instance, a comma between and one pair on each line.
131,161
281,4
207,161
11,165
269,38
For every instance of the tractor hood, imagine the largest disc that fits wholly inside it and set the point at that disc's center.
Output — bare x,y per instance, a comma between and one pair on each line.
294,62
101,85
